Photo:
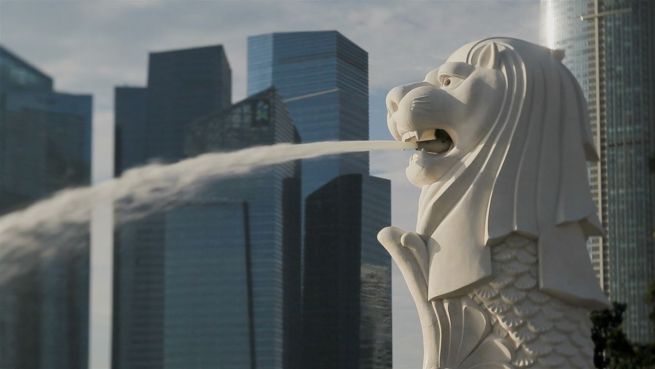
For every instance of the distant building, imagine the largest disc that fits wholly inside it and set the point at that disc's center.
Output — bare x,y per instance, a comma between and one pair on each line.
45,146
208,320
183,85
609,48
272,219
214,281
347,276
130,106
323,79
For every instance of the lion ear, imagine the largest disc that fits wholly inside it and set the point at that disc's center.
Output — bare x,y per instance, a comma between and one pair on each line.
489,56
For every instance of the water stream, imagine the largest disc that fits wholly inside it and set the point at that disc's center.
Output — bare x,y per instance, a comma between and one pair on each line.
62,220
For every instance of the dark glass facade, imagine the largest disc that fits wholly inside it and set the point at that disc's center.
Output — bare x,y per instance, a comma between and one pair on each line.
45,146
628,44
138,312
347,276
151,122
130,123
183,85
207,295
272,196
323,79
611,53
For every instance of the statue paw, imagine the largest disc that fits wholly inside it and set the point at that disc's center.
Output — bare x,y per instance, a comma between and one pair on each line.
398,242
418,248
390,237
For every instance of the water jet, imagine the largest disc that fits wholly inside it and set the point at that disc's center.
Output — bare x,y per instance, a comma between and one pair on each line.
39,229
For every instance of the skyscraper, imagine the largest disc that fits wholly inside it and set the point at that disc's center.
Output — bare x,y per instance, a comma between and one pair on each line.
208,294
183,85
272,269
323,79
346,315
130,117
610,49
45,146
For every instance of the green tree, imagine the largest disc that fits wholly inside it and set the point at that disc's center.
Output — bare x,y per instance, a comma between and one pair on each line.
610,343
612,349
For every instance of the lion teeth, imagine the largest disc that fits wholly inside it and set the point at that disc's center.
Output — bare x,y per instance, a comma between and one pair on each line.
417,136
426,135
409,136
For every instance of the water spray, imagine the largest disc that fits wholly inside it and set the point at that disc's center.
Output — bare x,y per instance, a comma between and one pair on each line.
63,218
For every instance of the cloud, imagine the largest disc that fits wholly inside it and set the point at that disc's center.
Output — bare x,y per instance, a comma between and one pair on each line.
92,46
109,41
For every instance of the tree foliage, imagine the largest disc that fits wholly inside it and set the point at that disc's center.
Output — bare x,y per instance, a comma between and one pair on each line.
612,348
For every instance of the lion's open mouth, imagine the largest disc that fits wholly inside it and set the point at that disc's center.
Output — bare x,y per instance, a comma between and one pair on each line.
441,143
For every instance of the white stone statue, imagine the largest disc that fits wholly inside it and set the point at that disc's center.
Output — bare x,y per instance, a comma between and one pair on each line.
498,265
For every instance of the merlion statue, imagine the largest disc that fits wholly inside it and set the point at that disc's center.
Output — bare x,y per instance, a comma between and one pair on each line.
498,266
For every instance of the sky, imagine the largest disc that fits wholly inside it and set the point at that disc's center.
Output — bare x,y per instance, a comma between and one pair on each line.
92,46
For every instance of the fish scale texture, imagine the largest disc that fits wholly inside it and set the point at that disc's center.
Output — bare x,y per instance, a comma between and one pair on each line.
542,331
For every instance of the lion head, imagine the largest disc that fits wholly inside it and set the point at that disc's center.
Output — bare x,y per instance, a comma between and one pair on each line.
503,139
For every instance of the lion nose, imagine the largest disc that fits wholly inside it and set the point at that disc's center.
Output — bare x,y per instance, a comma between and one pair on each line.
396,94
394,97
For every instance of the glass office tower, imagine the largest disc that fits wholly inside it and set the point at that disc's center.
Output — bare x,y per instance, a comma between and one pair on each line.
183,85
609,47
272,197
347,276
323,79
207,294
130,117
45,146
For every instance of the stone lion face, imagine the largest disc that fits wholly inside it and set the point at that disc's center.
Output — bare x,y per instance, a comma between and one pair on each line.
447,114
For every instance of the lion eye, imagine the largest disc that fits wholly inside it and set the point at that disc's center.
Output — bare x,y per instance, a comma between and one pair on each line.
448,80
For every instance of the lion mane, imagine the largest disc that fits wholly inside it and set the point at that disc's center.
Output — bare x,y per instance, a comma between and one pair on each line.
527,176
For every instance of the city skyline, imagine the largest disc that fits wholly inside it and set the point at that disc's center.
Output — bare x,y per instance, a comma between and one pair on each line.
183,112
106,44
389,24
